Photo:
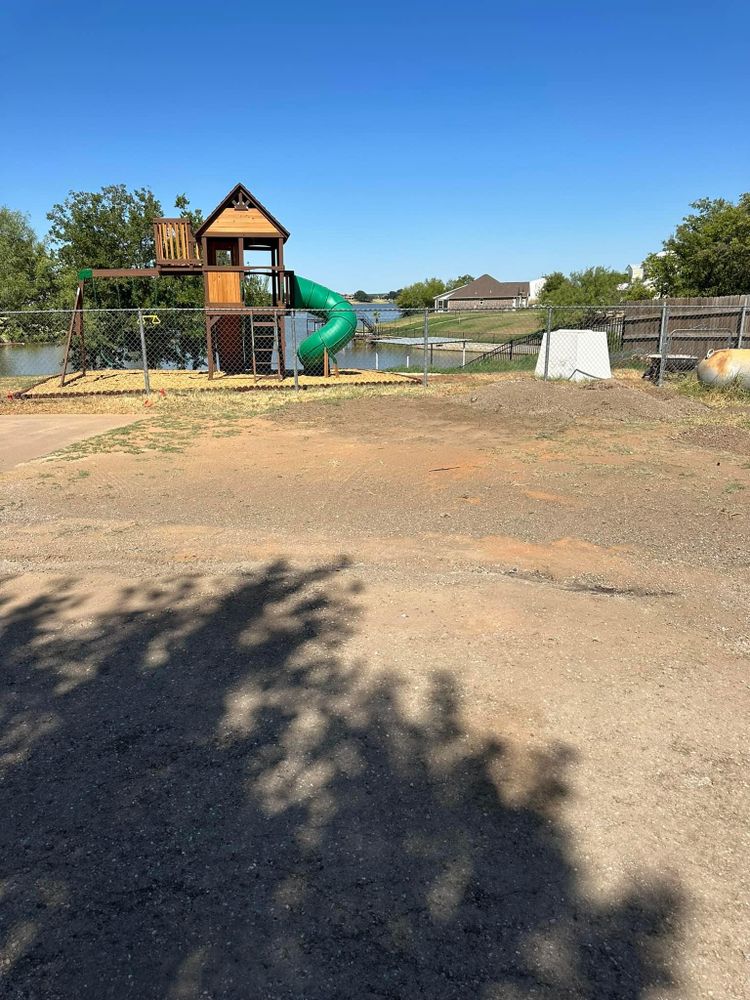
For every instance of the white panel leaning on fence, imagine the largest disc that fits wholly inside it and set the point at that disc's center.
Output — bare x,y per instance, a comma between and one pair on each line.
575,355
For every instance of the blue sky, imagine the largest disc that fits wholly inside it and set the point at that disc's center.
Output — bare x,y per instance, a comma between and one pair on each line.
396,140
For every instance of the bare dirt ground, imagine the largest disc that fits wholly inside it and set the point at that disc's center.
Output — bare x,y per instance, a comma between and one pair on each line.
388,695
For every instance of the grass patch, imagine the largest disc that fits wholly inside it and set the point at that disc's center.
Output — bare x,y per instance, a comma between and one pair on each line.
522,363
726,395
497,327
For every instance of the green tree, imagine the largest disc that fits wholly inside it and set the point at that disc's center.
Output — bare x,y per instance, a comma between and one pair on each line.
257,292
27,274
28,281
662,273
593,286
193,215
421,294
360,296
108,228
637,291
709,252
552,282
578,296
459,282
114,228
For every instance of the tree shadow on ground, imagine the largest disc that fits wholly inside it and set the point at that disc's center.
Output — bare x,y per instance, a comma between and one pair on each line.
203,797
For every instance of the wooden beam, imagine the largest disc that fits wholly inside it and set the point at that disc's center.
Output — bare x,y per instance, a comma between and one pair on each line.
209,335
79,315
125,272
233,267
78,305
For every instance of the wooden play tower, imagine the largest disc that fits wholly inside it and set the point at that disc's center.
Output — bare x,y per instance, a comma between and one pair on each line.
224,250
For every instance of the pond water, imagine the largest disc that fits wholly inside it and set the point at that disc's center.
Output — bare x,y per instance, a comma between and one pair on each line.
30,359
362,354
46,359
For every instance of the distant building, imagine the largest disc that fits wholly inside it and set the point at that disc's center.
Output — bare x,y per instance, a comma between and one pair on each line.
487,292
535,288
634,273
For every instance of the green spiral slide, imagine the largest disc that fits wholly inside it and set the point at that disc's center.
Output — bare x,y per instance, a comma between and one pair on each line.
338,329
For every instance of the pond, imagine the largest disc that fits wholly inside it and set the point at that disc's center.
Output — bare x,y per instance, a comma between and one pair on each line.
362,354
46,359
30,359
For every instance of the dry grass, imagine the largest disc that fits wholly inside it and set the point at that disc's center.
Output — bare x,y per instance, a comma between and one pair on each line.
715,396
10,384
172,423
170,420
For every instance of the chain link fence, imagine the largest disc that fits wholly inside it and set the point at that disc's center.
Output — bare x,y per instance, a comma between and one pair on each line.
658,338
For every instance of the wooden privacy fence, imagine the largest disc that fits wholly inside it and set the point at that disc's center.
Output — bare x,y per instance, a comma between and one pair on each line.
693,325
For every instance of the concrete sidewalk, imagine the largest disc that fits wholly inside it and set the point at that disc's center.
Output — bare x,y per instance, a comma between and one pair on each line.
24,437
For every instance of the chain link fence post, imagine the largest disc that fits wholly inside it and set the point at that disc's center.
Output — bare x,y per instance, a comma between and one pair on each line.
663,343
144,356
743,317
547,342
426,338
295,360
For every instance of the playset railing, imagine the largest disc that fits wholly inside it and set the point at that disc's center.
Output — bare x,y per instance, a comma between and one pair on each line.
175,243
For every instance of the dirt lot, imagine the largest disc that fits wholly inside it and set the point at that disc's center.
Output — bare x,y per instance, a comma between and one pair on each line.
392,695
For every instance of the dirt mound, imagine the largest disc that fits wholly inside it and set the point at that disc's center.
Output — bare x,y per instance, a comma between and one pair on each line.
533,402
717,438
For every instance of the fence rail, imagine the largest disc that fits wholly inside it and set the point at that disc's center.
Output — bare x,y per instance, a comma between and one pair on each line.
659,336
519,346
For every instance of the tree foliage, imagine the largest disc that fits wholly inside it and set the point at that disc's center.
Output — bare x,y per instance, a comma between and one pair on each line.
256,291
360,296
709,252
113,227
108,228
593,286
421,294
27,274
637,291
193,215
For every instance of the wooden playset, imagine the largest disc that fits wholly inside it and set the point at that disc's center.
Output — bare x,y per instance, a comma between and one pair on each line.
218,251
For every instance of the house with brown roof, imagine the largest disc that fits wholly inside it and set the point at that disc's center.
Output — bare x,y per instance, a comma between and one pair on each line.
487,292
